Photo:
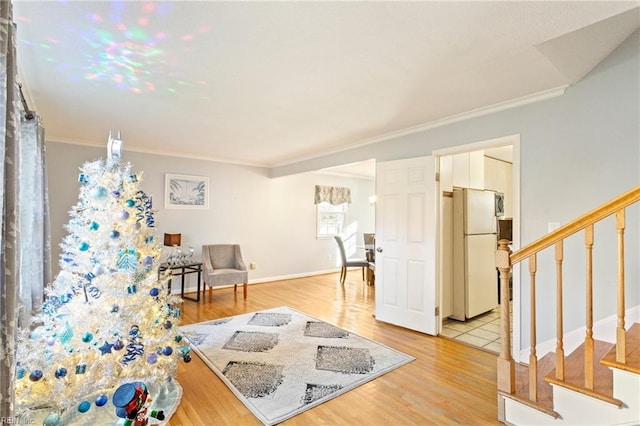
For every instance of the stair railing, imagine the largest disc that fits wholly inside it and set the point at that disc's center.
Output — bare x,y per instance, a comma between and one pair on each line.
505,260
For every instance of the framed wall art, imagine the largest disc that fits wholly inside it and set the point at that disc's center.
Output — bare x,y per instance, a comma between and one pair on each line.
186,192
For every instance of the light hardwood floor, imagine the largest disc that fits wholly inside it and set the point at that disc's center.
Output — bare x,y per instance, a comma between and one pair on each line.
448,383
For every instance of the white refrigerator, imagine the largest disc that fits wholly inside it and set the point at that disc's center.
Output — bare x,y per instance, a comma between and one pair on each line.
475,280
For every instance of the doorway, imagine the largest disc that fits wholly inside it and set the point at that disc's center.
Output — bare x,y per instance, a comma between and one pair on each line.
494,166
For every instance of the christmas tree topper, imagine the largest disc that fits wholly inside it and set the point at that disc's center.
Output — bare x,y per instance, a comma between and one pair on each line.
114,147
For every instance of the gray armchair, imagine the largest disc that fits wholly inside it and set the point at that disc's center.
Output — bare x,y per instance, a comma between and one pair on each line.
223,265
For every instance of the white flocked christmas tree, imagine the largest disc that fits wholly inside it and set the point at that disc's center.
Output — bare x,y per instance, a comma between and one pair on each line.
107,319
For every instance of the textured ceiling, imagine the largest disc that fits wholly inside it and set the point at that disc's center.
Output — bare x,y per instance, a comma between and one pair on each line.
270,83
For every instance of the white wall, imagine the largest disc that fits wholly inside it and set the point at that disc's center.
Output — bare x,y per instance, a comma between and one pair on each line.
273,219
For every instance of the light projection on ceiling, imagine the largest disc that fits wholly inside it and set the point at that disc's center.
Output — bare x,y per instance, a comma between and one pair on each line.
124,44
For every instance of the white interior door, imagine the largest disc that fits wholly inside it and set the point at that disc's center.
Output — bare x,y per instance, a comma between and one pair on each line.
406,243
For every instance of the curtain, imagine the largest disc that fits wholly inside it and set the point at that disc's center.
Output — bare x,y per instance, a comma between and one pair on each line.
334,195
9,111
24,237
33,219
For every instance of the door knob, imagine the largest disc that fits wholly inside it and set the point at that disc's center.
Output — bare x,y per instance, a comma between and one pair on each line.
379,249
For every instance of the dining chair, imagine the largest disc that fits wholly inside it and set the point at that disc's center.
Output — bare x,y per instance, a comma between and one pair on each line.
369,242
349,262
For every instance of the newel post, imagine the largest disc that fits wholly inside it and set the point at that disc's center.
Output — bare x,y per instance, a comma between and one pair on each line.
506,365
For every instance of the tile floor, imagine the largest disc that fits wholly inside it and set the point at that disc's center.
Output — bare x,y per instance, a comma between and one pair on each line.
482,331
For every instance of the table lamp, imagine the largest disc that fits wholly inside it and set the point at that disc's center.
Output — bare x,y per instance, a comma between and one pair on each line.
172,239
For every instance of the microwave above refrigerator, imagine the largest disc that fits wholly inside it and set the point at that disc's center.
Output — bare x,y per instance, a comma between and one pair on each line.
499,204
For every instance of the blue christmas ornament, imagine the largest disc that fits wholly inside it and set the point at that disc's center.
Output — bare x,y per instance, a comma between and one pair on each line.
20,371
167,351
94,291
124,215
101,400
51,341
148,260
84,406
187,358
118,345
52,419
99,193
152,358
94,226
67,334
154,292
174,312
97,270
51,305
127,260
35,375
60,373
106,348
178,338
84,246
87,337
134,350
114,234
130,203
168,325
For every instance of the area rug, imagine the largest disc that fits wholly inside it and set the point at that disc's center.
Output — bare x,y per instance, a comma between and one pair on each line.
281,362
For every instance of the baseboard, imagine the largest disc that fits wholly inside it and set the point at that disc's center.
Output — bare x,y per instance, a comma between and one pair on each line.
604,330
292,276
193,288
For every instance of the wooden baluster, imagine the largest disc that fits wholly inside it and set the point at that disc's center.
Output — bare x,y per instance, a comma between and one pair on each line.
620,332
506,365
559,327
533,357
588,340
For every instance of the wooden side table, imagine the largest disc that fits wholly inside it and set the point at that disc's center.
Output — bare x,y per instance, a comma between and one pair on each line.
182,270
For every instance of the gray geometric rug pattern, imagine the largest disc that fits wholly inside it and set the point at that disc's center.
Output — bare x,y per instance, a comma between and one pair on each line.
281,362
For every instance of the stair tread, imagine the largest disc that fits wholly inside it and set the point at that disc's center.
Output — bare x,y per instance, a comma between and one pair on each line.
544,401
574,374
632,352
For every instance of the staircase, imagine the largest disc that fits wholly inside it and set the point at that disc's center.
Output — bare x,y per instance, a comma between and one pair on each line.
596,383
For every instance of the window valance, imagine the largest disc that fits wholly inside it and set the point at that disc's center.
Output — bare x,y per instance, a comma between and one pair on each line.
333,195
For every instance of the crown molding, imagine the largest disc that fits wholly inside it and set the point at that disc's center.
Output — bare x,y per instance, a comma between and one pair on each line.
502,106
133,148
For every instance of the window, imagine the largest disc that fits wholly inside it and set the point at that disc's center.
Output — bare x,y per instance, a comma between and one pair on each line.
330,219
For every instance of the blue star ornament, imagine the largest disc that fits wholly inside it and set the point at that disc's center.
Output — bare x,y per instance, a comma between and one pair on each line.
106,348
